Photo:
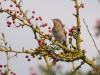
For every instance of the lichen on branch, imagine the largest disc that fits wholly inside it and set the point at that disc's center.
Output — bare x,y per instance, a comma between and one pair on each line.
69,54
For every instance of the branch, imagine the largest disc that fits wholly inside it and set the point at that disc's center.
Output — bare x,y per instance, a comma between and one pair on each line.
91,36
91,63
78,26
78,67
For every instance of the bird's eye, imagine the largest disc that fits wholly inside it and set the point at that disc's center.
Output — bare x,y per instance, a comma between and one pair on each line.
58,20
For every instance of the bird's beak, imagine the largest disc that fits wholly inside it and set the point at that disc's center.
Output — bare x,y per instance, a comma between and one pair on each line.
52,19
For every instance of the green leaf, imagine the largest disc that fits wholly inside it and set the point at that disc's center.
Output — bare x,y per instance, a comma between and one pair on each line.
3,35
75,15
26,12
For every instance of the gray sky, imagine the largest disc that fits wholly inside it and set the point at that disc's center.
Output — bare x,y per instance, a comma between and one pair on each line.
49,9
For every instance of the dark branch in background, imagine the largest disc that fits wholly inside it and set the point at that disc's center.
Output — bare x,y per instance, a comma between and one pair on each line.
91,37
78,67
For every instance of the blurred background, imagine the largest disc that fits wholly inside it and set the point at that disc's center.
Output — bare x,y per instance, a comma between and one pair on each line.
50,9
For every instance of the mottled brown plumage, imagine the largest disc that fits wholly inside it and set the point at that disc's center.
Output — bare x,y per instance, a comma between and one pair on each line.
59,31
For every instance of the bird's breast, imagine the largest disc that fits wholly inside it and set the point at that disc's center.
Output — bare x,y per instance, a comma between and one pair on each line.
59,34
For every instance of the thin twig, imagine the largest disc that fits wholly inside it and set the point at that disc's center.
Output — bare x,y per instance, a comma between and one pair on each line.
91,37
73,66
78,67
7,63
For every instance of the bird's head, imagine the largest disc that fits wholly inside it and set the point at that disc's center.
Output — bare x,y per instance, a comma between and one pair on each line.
57,22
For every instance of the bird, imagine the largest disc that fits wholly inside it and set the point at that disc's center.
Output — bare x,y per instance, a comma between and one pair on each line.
59,31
